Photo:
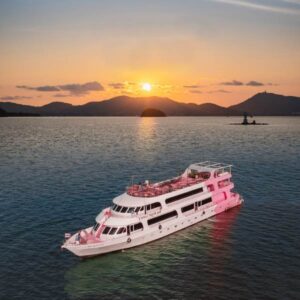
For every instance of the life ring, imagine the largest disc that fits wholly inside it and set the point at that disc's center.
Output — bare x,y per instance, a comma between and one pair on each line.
160,227
129,240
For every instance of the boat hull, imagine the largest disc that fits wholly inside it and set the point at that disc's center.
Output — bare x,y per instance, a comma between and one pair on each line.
153,233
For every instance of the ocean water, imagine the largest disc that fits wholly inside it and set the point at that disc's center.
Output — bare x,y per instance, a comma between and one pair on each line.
56,174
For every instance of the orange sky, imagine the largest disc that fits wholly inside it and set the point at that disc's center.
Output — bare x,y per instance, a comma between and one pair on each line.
220,51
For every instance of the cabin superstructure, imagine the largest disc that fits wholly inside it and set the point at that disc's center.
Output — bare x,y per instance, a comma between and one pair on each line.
145,212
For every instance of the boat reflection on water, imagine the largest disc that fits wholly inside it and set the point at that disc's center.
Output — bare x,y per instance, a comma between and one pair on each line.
158,268
222,229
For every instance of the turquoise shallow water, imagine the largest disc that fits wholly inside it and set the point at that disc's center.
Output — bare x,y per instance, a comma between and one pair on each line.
56,174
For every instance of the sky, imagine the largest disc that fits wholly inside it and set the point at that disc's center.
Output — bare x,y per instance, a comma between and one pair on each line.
219,51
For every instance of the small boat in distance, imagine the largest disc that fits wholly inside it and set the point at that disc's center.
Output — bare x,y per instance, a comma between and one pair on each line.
150,211
246,122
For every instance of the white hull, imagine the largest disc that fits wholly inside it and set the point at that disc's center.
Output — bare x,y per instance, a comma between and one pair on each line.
152,233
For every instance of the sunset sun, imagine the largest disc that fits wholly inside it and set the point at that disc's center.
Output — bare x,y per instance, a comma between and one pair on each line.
146,87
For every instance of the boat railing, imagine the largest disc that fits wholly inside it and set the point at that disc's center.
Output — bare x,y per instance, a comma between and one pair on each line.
214,166
153,190
196,173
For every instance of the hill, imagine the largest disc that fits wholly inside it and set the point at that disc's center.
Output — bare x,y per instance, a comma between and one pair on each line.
4,113
268,104
260,104
121,106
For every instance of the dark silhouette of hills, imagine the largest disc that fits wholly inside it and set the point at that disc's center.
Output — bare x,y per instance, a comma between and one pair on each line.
152,112
121,106
260,104
268,104
4,113
51,109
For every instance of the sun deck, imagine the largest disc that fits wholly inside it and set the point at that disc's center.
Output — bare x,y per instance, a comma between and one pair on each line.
153,190
195,173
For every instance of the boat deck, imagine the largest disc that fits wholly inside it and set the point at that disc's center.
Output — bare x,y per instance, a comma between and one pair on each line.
156,189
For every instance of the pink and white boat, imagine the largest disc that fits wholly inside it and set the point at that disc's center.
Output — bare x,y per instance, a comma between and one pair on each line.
149,211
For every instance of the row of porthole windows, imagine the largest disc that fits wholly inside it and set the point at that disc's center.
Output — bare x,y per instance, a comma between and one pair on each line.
128,210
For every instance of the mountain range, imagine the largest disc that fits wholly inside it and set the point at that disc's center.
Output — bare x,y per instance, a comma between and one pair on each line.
4,113
263,104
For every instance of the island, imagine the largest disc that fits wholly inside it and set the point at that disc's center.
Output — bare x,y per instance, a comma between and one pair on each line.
153,112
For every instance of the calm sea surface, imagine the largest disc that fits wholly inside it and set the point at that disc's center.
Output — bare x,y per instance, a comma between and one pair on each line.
56,174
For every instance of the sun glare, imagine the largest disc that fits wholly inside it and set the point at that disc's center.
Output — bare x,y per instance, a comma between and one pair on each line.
146,87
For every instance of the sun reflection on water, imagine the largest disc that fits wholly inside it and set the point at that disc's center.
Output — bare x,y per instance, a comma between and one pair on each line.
146,128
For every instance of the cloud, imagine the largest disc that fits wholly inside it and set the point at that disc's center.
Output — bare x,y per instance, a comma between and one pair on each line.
219,91
75,89
233,83
79,89
12,98
117,85
268,8
249,83
195,86
254,83
60,95
195,91
45,88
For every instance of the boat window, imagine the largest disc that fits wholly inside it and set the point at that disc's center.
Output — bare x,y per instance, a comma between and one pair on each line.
138,226
205,201
113,230
137,209
210,187
124,209
118,208
106,230
187,208
204,175
114,207
142,208
155,205
96,226
184,195
130,210
148,207
193,173
121,230
163,217
223,183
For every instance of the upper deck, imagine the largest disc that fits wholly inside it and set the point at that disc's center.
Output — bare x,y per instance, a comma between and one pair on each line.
194,174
